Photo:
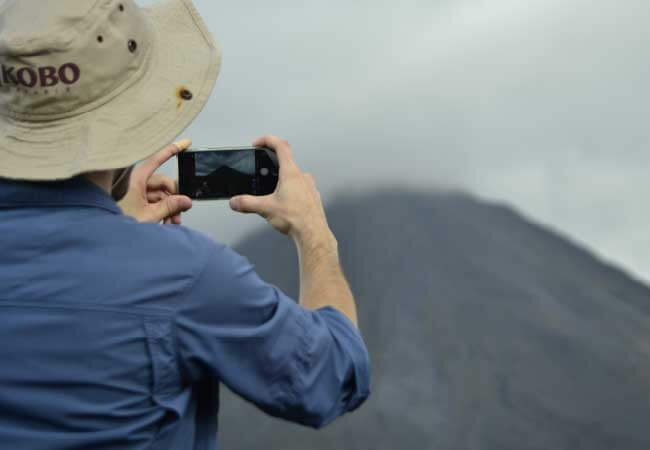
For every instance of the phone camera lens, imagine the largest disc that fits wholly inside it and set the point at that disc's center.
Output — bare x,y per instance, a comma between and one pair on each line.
264,171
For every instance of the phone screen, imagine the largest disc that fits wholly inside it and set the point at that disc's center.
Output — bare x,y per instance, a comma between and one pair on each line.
219,174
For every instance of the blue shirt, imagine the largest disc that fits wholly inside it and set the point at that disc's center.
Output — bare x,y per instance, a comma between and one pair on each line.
116,335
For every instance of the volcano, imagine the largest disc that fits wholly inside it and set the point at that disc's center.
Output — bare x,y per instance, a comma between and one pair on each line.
486,332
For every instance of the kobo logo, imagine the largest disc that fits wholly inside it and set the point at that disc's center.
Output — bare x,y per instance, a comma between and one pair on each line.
47,76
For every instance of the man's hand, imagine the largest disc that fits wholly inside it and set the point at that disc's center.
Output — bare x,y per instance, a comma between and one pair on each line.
295,208
153,197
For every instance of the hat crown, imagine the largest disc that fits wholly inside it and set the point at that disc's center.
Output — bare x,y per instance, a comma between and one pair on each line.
34,24
64,57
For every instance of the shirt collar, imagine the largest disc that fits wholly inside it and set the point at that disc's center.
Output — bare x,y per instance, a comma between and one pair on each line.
76,191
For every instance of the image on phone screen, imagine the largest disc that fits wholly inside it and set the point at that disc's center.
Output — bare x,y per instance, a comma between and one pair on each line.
222,174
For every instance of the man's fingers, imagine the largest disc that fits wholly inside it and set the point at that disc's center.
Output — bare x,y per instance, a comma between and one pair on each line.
176,220
153,163
249,204
156,196
163,183
310,179
171,206
281,147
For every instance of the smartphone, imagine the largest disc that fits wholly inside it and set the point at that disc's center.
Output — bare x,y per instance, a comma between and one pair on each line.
222,173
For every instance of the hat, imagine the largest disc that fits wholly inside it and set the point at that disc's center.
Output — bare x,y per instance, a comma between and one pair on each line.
97,85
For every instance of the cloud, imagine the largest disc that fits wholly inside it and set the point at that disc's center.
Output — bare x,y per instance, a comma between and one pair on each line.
542,104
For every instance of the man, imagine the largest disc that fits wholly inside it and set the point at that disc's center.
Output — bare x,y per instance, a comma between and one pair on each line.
116,330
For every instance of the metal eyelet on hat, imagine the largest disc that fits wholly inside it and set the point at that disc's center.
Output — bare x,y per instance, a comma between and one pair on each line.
186,94
133,46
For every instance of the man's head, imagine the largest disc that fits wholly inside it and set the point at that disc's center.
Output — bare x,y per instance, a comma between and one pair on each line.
97,86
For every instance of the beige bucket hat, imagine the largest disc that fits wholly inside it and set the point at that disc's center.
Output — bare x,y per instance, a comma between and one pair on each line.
97,84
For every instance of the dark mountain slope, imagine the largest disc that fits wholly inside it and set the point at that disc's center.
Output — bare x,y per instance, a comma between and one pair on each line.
485,332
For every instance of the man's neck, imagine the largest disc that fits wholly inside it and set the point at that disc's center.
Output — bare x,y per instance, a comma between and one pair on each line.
103,179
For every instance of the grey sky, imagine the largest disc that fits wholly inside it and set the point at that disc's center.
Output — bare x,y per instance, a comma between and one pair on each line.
539,103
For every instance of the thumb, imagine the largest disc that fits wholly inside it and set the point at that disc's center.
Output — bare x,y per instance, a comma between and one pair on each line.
171,206
249,204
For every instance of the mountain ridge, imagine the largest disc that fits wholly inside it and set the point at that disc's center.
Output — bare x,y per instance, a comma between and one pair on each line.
485,329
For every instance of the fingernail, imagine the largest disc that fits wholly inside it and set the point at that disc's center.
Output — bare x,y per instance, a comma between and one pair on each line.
184,144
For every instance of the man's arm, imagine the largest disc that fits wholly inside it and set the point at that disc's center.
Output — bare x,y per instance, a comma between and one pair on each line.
305,362
296,209
322,282
306,366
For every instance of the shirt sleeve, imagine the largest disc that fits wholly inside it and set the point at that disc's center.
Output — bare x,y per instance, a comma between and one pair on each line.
308,367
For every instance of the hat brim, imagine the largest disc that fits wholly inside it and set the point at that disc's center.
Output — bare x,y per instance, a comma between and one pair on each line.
135,124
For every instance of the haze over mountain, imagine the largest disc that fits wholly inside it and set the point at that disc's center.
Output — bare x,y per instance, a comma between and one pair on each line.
486,332
539,103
